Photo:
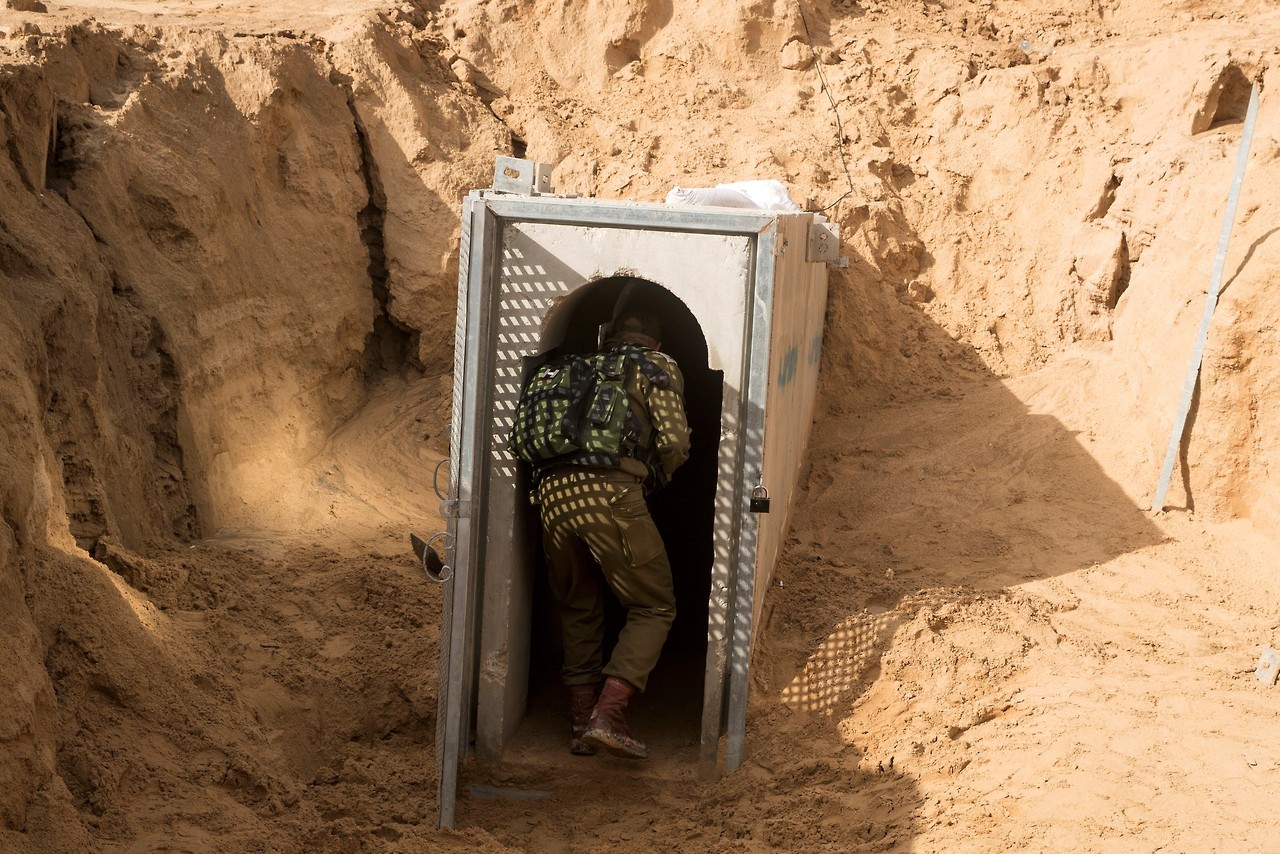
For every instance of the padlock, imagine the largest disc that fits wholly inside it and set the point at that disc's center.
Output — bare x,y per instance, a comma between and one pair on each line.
759,500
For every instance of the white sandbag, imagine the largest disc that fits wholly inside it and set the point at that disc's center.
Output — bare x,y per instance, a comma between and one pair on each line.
764,194
717,197
768,194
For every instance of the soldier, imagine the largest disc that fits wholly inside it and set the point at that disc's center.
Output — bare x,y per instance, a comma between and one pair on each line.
597,528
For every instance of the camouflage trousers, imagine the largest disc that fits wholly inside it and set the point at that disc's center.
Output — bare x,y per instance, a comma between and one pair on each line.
597,530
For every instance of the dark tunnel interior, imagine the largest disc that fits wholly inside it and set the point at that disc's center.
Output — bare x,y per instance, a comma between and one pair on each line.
684,512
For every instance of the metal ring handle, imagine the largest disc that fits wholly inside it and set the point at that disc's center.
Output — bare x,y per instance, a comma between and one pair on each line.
435,479
446,571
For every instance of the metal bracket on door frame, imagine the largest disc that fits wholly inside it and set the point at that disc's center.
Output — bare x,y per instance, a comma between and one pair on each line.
522,177
824,243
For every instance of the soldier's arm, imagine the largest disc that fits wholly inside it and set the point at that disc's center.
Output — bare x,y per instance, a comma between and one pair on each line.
670,425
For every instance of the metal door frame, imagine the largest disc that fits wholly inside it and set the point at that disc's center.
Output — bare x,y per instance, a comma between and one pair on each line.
729,644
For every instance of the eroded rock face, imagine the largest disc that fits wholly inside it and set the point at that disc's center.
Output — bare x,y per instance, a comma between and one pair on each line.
250,257
260,211
212,244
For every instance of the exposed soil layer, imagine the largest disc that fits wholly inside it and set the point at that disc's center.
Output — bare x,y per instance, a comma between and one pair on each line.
228,261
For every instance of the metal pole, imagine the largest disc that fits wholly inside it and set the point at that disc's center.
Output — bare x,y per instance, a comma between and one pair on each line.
1219,262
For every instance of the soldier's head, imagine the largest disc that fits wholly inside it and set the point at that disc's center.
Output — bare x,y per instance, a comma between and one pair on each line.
638,326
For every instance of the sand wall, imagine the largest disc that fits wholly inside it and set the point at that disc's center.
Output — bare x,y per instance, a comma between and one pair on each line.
220,243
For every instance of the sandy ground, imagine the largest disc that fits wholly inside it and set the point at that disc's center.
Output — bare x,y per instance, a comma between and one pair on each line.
228,254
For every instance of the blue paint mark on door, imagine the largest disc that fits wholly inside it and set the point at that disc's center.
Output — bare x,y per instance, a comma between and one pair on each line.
790,363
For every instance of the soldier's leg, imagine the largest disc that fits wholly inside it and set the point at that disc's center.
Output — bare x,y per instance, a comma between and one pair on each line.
575,582
612,519
639,574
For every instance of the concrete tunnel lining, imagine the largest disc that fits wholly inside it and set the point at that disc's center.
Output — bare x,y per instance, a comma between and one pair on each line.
540,265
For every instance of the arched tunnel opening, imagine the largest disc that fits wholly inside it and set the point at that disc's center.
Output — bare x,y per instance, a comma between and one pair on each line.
670,710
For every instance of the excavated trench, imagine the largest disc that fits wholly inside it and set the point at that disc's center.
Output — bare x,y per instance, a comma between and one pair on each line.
228,263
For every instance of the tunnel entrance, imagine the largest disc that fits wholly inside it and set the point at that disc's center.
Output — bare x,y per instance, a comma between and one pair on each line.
743,294
669,713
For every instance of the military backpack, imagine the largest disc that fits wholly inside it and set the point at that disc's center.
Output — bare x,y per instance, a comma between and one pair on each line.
575,409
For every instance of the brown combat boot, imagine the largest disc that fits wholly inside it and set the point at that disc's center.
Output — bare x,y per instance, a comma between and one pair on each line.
608,728
582,699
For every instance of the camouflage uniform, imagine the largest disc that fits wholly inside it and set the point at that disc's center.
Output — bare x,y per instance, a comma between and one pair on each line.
597,516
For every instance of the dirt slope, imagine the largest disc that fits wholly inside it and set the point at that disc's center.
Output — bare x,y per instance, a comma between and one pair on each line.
228,241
